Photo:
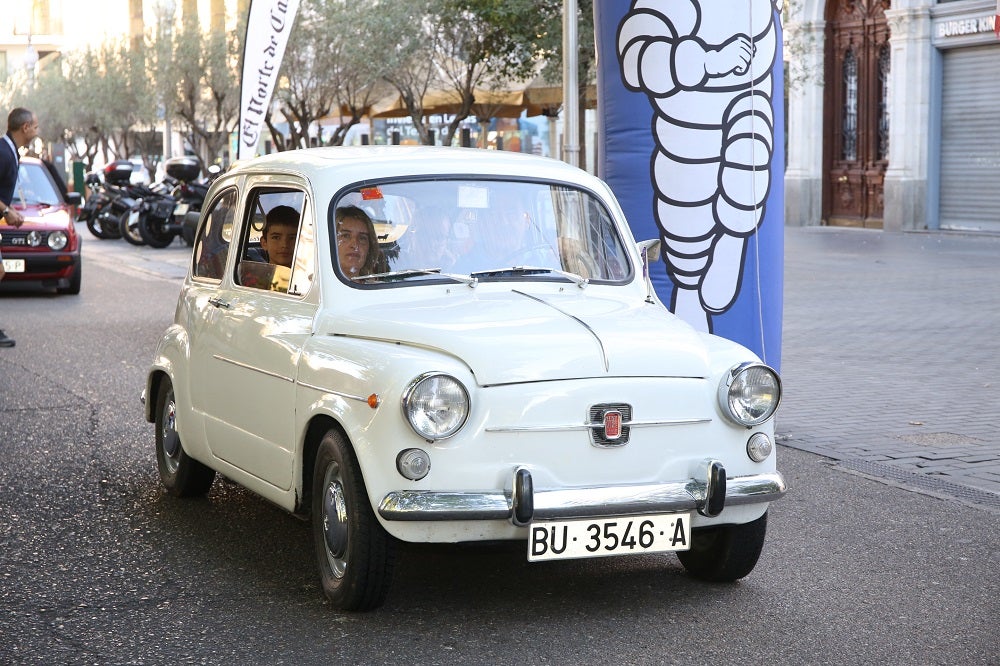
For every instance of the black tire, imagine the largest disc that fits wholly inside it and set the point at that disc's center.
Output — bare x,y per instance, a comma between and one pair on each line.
725,553
152,233
356,556
73,288
104,225
129,229
181,476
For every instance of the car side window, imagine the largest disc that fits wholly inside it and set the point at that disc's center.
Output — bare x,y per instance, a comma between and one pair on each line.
276,251
211,247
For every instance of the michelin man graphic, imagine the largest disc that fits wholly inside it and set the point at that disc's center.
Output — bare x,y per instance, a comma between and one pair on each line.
706,68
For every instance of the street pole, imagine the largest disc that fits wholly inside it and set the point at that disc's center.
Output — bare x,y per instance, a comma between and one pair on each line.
571,112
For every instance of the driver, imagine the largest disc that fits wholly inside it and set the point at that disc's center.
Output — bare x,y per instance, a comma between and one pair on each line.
357,244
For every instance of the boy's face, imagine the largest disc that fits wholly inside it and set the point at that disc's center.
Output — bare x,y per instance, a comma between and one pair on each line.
279,242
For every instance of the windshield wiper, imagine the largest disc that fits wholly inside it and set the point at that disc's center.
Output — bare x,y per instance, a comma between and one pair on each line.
412,272
578,280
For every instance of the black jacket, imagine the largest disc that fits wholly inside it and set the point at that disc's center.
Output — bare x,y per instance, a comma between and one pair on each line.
8,172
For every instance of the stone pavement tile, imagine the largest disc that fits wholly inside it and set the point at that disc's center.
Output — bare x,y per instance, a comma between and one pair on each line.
889,354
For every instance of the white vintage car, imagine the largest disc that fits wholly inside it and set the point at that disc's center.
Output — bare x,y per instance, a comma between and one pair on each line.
446,345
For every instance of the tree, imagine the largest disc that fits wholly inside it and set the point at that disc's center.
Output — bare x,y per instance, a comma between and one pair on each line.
332,65
93,101
205,96
410,67
467,49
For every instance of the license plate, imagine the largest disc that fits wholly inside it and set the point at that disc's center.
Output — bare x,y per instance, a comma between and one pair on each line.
631,535
13,265
181,209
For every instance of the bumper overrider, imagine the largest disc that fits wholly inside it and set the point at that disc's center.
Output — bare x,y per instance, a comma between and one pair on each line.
708,493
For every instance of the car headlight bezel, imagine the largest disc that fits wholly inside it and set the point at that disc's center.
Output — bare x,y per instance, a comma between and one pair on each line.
57,240
749,393
436,405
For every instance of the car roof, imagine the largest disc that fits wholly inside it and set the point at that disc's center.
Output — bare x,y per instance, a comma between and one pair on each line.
381,161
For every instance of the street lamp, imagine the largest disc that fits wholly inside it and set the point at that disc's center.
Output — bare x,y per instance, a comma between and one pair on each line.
571,106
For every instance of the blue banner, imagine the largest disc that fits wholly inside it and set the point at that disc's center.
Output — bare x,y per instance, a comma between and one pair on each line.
691,119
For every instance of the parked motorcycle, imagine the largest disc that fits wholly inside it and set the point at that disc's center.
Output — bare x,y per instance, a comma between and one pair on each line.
97,211
166,220
125,205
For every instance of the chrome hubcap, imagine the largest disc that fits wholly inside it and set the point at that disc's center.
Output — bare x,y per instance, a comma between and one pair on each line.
335,529
171,441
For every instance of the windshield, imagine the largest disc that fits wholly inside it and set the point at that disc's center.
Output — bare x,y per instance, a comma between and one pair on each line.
407,232
34,186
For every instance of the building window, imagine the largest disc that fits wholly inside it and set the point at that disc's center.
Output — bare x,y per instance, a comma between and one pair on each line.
849,138
883,103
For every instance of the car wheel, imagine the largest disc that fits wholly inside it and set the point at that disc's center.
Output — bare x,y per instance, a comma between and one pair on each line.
355,554
73,288
724,553
181,475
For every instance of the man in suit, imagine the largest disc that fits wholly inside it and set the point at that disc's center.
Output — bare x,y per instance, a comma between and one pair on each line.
22,128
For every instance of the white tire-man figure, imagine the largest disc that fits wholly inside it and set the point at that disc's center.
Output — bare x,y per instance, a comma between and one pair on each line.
705,66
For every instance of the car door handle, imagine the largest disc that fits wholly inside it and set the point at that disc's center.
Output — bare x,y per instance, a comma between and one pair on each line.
219,303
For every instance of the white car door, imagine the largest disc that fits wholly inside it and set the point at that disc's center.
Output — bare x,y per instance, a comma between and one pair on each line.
250,351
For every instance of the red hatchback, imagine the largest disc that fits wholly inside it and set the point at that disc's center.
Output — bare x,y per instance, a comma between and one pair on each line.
46,248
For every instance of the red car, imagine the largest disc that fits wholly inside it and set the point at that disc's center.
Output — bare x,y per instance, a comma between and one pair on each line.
46,248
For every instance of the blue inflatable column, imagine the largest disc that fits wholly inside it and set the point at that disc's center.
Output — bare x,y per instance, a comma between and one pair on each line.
691,120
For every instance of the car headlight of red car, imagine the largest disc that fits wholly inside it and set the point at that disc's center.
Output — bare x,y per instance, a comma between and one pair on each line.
57,240
749,393
436,406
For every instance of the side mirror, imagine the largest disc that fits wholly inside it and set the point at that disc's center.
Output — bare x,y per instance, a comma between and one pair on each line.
649,250
73,198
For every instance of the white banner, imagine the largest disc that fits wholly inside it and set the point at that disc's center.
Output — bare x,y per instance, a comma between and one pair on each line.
268,26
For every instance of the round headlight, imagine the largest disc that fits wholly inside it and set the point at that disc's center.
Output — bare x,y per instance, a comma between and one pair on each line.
749,393
57,240
436,406
35,238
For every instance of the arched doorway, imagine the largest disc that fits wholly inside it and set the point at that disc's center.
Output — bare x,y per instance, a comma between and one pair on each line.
856,114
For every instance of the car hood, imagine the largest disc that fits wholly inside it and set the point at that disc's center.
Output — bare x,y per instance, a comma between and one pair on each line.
512,337
44,216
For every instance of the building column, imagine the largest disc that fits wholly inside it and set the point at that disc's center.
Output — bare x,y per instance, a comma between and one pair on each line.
910,80
804,43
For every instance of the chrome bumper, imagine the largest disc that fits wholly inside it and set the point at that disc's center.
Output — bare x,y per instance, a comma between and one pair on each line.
708,494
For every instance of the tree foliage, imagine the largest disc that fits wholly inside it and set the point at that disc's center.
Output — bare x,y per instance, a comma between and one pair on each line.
344,57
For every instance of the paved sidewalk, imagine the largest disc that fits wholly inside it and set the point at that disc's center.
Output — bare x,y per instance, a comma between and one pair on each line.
891,357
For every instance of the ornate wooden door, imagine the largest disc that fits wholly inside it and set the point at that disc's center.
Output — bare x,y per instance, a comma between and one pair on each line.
856,115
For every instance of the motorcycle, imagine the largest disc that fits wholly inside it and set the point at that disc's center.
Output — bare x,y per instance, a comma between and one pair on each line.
168,219
97,212
156,205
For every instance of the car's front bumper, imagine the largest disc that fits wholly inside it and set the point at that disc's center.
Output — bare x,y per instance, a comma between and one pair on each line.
55,268
708,494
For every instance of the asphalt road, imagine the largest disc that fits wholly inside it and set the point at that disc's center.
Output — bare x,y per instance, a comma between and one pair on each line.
98,566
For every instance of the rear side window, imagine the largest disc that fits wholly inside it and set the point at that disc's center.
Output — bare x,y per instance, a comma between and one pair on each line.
211,247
